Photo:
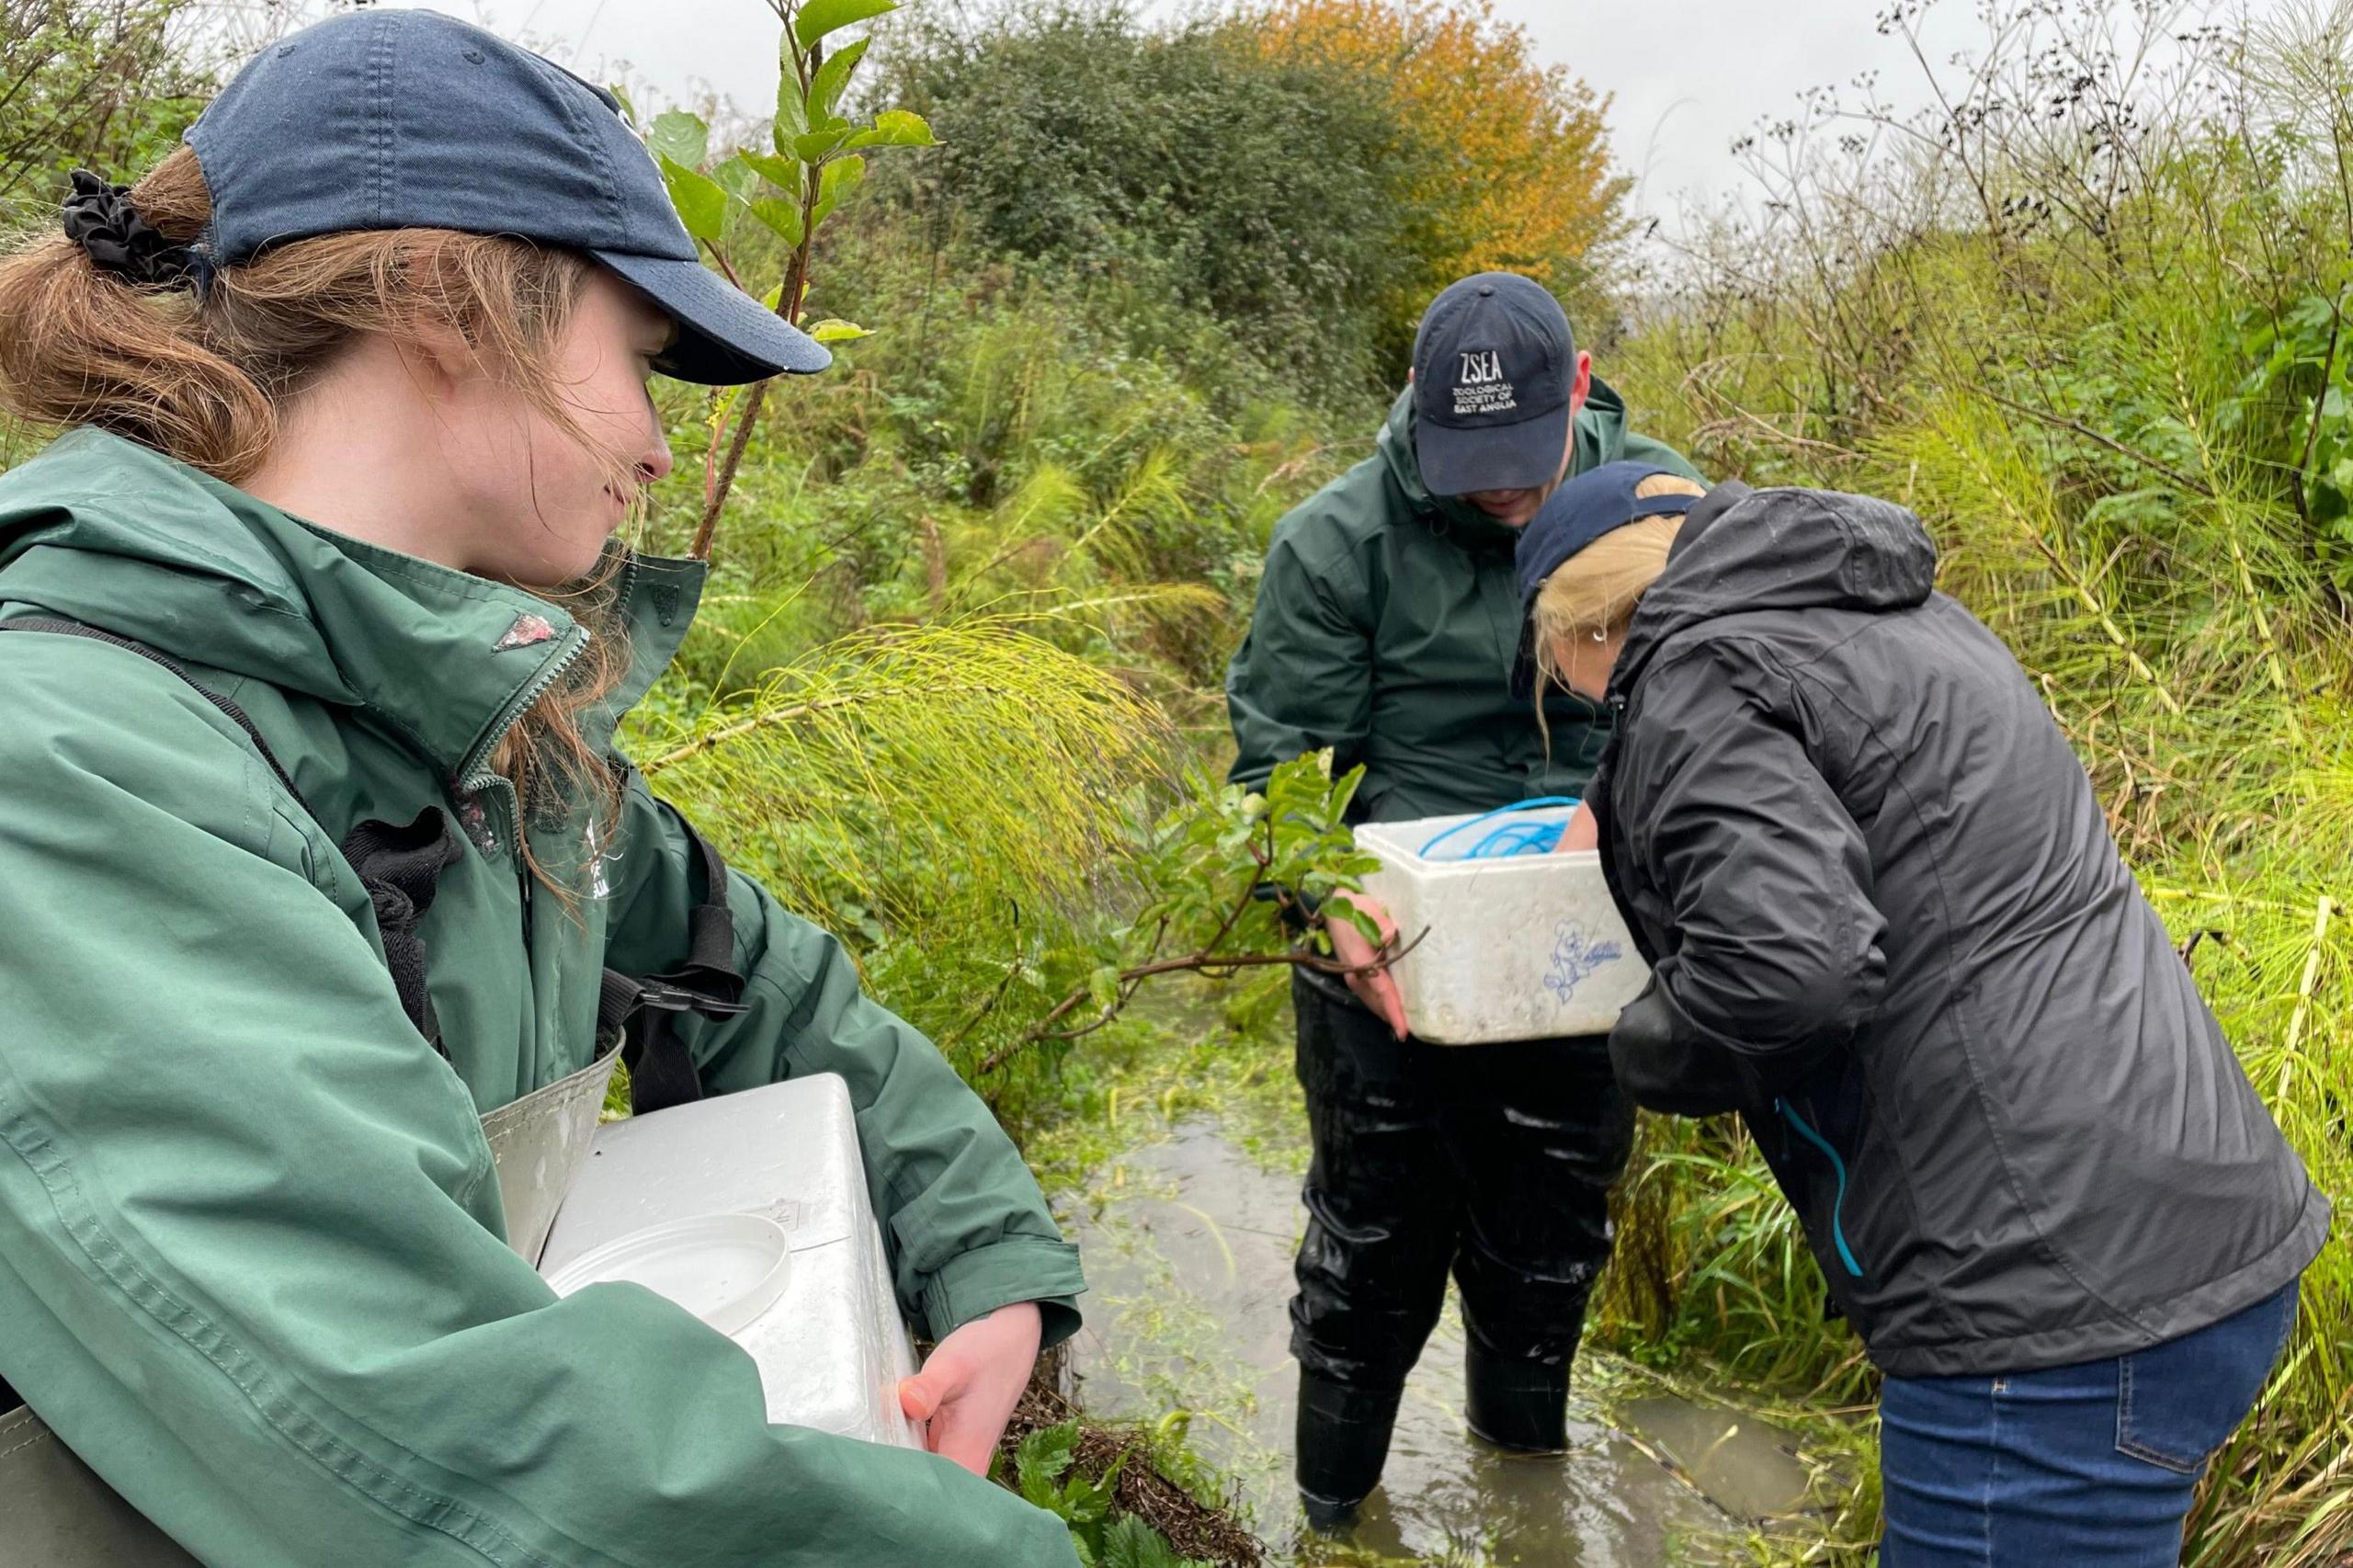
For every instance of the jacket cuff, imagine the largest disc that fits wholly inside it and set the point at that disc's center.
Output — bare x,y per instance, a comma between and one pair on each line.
1765,1075
1020,1268
1663,1061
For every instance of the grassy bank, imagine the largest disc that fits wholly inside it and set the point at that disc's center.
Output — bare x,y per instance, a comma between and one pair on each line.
2087,319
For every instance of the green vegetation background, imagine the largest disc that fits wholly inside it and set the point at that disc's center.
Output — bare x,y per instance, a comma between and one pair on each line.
976,587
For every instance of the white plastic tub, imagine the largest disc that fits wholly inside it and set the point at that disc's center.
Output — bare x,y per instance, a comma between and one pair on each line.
1523,946
831,1348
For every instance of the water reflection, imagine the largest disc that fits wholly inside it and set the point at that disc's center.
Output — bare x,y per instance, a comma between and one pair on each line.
1188,1245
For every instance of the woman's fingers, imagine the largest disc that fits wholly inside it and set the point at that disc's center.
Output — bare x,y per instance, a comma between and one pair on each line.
966,1391
919,1397
1378,992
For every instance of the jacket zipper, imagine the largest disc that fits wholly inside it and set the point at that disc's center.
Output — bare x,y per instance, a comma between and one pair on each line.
1838,1205
474,774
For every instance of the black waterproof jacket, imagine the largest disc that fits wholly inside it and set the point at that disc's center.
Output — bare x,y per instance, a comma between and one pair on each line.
1889,927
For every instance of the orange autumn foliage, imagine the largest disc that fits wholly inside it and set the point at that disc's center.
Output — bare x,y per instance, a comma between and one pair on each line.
1522,182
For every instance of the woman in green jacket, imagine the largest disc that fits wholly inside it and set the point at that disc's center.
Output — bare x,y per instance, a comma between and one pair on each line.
356,385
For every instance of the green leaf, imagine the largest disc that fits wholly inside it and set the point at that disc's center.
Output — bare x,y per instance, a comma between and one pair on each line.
895,128
781,216
701,201
1346,790
620,96
1084,1502
1103,987
835,330
783,173
1366,926
841,176
738,179
773,298
1037,1491
791,114
680,137
825,88
813,145
1131,1543
819,18
1044,1455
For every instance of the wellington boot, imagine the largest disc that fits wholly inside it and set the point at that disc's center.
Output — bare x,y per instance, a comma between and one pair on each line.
1519,1406
1343,1440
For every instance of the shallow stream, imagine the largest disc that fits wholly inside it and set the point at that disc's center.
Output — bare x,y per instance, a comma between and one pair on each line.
1189,1244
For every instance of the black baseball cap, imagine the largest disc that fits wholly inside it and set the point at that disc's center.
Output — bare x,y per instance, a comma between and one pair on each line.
1494,364
1598,501
408,119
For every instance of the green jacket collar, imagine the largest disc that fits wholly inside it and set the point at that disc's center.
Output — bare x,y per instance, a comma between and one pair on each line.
108,532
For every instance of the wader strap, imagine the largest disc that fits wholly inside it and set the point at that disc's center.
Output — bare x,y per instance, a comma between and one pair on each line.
401,867
661,1070
397,867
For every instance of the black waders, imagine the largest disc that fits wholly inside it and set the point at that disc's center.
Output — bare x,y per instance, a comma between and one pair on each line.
1492,1163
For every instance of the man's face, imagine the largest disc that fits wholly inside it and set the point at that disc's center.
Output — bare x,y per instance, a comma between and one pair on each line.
1515,509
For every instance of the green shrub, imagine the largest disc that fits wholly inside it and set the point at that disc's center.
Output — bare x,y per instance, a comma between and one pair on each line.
1179,163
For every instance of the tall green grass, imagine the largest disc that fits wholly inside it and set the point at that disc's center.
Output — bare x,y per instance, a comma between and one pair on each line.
2048,315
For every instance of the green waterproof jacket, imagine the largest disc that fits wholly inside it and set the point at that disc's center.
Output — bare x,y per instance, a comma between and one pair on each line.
1385,629
251,1256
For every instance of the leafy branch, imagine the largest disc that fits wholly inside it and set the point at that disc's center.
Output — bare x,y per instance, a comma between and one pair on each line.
817,162
1234,879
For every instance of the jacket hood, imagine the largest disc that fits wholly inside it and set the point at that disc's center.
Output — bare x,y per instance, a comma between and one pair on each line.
1743,550
105,531
1600,434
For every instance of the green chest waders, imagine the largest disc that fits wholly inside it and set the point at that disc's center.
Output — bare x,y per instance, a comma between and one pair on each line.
56,1512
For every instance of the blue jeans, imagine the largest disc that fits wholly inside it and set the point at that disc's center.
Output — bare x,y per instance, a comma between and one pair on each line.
2092,1466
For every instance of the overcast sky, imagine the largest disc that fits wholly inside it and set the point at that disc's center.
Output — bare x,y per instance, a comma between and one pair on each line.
1685,76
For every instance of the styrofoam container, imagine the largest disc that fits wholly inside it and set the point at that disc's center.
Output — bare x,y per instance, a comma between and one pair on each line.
832,1347
725,1268
1522,947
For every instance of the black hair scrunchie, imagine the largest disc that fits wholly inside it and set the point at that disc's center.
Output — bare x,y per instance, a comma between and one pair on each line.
100,219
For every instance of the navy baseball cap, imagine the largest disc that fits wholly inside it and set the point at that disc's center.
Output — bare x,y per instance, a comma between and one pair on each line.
1494,364
1598,501
406,118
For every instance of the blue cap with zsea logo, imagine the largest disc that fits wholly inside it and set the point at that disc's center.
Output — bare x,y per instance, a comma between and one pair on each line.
1494,364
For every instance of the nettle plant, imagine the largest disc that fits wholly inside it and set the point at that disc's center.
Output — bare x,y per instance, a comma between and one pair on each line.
817,162
1045,1471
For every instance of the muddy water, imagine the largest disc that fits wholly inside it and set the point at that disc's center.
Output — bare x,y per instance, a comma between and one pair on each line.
1188,1245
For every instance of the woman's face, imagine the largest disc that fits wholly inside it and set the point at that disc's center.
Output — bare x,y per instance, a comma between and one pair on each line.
540,507
1585,663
